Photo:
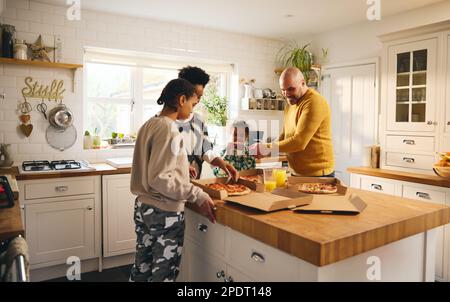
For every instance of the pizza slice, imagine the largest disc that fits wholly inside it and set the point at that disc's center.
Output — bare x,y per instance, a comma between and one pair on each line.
231,189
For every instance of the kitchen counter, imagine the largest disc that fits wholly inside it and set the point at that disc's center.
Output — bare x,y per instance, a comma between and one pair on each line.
402,176
326,239
10,218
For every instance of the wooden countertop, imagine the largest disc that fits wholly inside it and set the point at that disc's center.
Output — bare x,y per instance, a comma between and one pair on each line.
10,218
326,239
402,176
100,169
271,159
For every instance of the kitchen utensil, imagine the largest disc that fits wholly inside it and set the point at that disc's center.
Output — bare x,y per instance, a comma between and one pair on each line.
5,156
267,93
61,139
60,117
26,129
42,108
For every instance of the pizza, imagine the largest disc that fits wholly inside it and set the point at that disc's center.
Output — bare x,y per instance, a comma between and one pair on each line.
253,178
318,188
231,189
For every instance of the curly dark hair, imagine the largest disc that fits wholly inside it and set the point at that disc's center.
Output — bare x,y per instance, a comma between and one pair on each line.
195,75
174,89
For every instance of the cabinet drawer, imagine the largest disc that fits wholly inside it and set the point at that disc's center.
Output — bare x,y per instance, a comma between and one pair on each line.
410,144
59,188
262,262
412,161
376,185
423,194
210,236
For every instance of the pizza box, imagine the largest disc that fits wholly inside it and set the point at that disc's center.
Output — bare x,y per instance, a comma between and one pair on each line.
278,199
338,205
222,194
294,182
258,187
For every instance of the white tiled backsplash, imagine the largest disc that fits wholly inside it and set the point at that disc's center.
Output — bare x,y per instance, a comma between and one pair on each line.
254,57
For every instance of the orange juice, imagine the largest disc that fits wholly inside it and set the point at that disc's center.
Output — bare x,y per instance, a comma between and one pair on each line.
280,177
270,185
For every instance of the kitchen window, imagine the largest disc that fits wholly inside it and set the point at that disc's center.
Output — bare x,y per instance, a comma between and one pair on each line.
121,92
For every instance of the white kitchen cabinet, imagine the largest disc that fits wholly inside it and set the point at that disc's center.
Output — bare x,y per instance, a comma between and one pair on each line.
62,219
415,110
58,230
119,235
411,86
425,193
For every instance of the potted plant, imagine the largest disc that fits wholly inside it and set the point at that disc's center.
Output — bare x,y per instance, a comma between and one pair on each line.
87,141
293,55
97,140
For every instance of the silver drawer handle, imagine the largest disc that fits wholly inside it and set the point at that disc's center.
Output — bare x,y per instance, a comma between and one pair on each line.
409,142
409,160
90,208
229,279
61,188
258,257
377,187
423,195
202,227
220,274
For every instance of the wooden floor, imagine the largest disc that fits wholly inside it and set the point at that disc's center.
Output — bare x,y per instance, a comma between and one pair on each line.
117,274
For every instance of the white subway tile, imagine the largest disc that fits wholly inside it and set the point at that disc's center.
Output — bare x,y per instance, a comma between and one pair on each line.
24,4
40,28
52,19
65,31
95,25
29,15
15,70
2,116
41,7
1,138
10,115
18,24
84,34
8,81
9,13
75,23
30,148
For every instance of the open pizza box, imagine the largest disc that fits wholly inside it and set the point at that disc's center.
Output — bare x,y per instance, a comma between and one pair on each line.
278,199
350,204
222,194
255,186
294,182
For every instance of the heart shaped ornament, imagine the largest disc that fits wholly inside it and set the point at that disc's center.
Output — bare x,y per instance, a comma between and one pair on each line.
26,129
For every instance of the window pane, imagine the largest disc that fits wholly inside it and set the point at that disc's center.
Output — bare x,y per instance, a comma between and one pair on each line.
108,118
420,60
155,80
108,81
403,62
150,111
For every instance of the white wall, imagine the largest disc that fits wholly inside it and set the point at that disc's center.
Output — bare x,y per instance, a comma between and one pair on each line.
254,57
360,41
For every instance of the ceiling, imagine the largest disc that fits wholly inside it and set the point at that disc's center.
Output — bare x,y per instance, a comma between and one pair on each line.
279,19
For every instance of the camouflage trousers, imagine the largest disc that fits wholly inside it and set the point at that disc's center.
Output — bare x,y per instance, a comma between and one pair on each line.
159,243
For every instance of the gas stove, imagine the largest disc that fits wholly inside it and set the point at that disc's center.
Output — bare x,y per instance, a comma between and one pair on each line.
45,166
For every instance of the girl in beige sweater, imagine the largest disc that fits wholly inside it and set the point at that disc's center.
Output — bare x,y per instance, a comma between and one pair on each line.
160,179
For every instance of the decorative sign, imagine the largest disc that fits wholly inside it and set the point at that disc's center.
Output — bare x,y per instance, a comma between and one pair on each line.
35,90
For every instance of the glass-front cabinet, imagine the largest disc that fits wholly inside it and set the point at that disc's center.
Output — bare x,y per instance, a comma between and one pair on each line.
411,86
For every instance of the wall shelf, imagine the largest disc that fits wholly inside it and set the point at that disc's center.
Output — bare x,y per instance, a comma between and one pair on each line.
72,67
40,63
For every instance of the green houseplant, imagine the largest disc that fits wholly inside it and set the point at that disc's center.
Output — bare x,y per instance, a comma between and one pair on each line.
215,106
293,55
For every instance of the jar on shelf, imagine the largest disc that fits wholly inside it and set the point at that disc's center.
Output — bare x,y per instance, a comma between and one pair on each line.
8,32
20,50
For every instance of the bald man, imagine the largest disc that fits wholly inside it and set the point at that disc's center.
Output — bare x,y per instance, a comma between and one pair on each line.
306,137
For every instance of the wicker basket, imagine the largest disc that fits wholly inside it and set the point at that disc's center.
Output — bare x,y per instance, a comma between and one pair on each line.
442,171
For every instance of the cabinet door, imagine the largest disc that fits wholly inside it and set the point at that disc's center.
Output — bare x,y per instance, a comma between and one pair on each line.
57,230
411,95
234,275
118,209
201,266
447,90
436,195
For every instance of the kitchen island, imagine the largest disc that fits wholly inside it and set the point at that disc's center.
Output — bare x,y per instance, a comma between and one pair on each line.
393,239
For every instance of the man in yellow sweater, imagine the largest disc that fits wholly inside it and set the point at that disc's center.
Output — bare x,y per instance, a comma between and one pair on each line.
306,137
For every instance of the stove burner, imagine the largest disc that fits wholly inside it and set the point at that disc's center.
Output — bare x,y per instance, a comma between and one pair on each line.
40,165
65,165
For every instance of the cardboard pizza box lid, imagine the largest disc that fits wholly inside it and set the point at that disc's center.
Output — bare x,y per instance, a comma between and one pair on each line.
295,181
339,205
258,187
279,199
222,194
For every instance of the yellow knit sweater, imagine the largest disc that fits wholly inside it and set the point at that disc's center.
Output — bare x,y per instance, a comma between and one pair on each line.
306,136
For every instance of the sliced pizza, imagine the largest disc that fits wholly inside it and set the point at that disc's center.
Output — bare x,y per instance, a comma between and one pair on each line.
318,188
231,189
253,178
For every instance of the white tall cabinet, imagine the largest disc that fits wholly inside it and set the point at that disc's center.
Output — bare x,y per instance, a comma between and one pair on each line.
415,118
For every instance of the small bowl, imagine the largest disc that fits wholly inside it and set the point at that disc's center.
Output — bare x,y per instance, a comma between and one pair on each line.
442,171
